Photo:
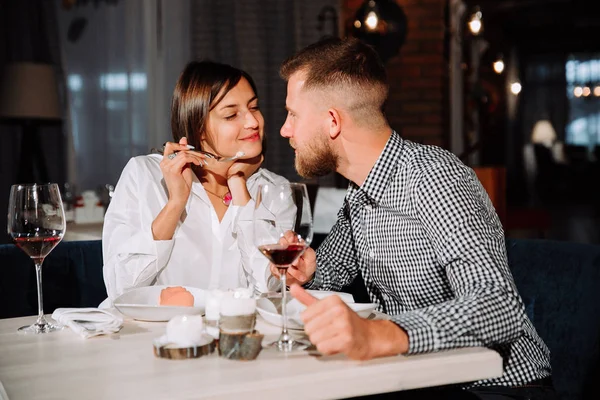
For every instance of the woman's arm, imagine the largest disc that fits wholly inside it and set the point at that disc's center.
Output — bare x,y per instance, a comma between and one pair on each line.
132,256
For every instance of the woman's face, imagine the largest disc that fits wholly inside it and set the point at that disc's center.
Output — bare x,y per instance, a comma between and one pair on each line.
235,124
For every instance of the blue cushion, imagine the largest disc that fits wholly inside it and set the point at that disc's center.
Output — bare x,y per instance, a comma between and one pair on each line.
71,277
560,285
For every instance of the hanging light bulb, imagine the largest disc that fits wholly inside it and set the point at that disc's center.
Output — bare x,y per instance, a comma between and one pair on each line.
372,20
382,24
476,23
597,91
578,91
515,88
499,66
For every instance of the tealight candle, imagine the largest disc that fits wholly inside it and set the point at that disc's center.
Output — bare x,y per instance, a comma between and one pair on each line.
213,304
185,330
238,302
238,311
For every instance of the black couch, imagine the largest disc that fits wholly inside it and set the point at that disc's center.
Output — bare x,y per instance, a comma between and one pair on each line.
559,283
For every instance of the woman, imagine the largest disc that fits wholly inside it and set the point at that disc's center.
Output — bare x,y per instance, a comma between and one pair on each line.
183,218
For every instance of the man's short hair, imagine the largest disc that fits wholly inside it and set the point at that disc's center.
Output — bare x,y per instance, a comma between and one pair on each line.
346,65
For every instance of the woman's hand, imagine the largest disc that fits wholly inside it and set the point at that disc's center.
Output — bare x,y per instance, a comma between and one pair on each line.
178,177
237,175
245,168
177,172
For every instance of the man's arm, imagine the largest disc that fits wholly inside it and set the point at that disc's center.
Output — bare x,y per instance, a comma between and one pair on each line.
469,243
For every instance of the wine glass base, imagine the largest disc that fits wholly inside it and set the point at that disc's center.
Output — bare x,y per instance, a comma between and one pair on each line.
40,328
288,346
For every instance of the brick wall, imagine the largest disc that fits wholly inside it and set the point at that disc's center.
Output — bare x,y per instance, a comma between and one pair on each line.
418,76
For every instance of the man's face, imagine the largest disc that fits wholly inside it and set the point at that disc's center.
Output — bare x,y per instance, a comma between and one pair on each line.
306,128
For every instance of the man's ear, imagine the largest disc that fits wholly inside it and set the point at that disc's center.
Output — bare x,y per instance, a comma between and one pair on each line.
335,123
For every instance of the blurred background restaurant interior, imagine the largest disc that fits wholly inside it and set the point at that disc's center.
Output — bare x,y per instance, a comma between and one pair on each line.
512,87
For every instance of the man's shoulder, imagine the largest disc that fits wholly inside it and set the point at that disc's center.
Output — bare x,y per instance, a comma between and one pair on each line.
420,159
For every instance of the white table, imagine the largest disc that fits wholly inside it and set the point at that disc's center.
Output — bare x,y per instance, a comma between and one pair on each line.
61,365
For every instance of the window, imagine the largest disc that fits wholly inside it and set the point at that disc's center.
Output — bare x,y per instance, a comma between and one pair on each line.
583,92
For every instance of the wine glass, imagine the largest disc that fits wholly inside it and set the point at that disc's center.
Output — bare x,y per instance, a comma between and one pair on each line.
36,222
283,230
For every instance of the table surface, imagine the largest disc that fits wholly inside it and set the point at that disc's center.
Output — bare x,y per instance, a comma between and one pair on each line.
62,365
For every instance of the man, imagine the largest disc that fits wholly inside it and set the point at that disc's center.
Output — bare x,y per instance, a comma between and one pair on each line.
416,223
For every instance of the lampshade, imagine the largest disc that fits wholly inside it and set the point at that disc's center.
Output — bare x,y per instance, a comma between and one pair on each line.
29,91
543,133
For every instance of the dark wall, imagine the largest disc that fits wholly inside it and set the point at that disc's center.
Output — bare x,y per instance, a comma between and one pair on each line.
28,32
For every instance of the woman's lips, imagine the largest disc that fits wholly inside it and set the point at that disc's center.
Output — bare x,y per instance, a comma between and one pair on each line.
252,138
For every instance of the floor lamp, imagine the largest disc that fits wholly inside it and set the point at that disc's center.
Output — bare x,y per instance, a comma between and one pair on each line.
29,97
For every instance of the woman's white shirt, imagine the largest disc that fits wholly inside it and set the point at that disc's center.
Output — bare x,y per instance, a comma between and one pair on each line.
203,252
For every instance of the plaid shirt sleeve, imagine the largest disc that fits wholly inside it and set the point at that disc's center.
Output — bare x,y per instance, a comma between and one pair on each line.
468,241
336,257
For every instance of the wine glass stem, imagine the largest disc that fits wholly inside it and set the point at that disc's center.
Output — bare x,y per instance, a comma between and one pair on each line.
283,273
38,274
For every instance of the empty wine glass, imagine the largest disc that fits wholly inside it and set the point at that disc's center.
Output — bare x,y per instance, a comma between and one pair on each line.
36,222
283,230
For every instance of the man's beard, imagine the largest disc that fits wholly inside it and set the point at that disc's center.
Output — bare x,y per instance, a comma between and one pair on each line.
319,160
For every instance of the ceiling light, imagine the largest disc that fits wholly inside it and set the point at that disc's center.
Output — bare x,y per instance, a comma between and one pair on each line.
476,23
499,66
515,88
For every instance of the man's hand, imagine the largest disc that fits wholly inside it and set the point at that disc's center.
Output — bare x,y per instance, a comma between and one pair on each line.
303,268
334,328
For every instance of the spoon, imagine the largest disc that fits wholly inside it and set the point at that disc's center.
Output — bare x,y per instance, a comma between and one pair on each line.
210,155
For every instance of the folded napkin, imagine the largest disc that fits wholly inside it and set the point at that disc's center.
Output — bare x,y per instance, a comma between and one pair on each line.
3,395
88,322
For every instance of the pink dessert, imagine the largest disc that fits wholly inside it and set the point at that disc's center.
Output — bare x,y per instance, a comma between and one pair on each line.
176,296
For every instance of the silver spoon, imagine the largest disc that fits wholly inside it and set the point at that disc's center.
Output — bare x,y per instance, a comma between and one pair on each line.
208,154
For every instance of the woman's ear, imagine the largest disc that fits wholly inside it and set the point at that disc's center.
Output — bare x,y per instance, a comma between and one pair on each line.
334,122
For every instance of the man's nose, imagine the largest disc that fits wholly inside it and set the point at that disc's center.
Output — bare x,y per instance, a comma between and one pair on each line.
285,130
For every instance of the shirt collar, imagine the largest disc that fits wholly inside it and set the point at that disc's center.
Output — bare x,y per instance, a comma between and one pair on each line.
375,185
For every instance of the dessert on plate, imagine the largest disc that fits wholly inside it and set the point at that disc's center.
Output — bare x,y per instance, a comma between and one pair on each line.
176,296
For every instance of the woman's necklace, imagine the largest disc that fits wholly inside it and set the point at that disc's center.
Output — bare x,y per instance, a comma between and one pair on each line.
226,198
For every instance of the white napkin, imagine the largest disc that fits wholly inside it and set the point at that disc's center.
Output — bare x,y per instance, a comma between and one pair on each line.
88,322
3,395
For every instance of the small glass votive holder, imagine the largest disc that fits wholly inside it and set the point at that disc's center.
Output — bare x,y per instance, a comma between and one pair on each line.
237,338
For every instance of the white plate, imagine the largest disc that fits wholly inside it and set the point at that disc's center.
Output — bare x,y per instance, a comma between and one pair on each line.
321,294
268,310
142,304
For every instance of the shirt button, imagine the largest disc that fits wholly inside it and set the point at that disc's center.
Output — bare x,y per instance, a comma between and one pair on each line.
372,254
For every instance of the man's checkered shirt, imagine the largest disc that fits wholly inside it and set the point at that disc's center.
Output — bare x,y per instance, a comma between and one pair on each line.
430,247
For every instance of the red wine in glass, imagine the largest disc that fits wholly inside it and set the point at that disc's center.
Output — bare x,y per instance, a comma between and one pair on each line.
37,246
36,223
282,255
